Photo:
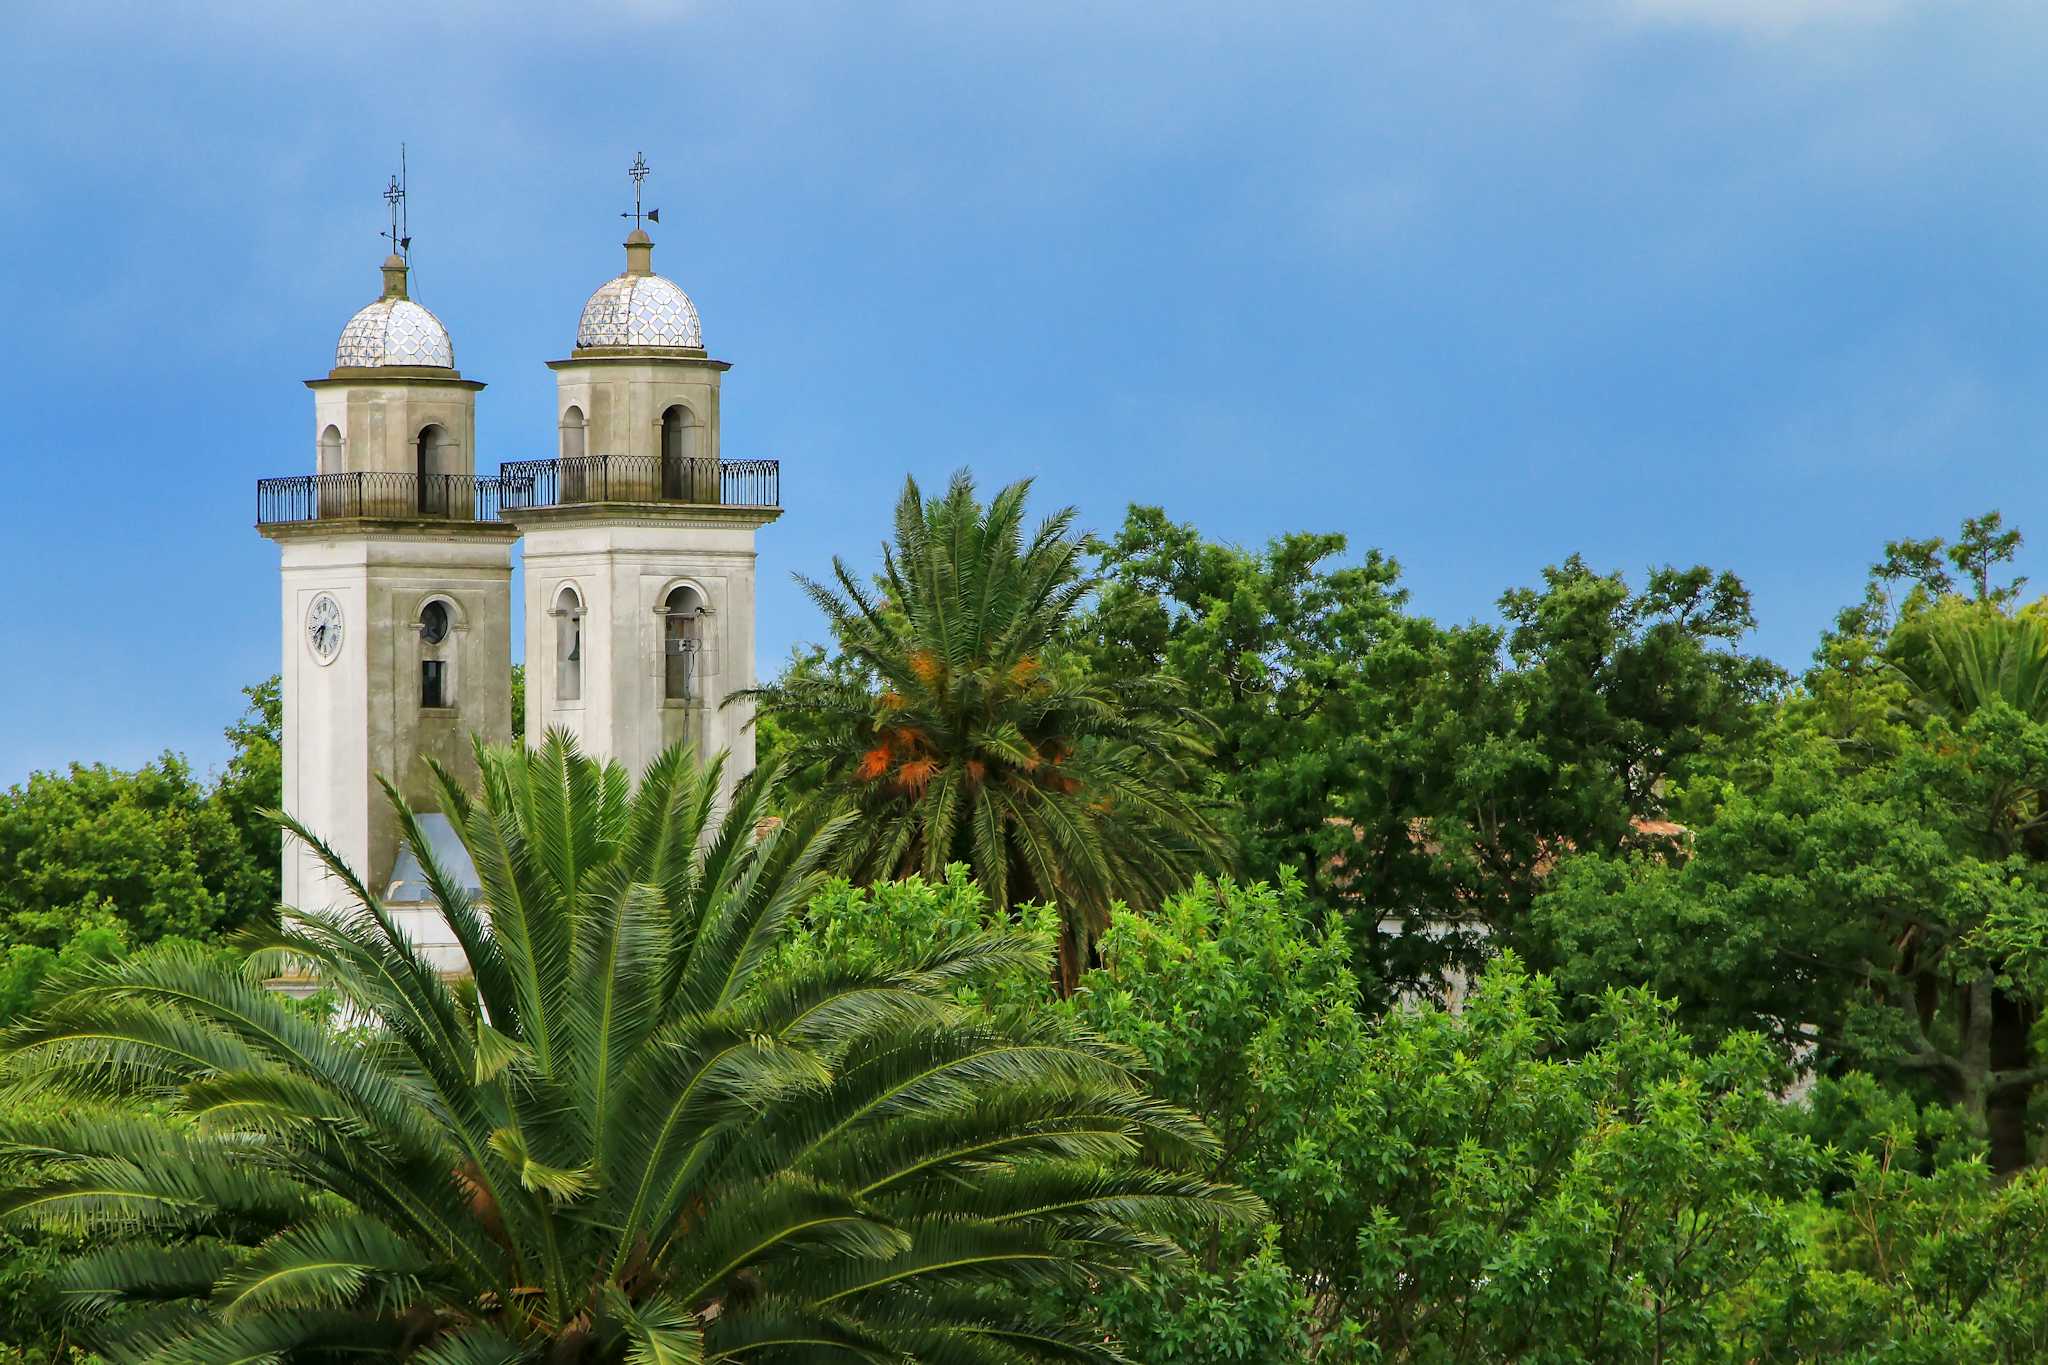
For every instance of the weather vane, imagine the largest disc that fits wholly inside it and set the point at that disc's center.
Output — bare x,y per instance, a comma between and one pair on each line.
638,173
401,225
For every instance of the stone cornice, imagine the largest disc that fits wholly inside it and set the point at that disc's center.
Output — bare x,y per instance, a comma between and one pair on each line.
388,528
356,377
703,516
639,355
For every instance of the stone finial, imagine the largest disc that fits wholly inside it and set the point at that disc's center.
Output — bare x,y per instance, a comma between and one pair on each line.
394,276
639,253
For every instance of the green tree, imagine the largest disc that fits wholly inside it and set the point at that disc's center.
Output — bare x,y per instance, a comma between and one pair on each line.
974,743
147,853
1923,1256
1847,910
1870,881
249,789
1335,710
149,850
1433,774
1459,1186
615,1138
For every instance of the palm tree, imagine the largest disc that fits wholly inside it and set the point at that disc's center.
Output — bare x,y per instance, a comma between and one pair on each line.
1957,656
957,737
622,1136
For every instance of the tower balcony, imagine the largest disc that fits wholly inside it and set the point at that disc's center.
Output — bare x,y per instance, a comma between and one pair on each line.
586,479
377,496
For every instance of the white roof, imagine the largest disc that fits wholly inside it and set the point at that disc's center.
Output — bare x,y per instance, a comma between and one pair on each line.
394,332
640,311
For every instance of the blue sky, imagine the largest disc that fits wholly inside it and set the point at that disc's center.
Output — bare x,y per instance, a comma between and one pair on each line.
1758,283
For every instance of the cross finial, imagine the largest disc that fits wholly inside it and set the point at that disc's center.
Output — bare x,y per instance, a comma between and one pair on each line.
394,198
637,173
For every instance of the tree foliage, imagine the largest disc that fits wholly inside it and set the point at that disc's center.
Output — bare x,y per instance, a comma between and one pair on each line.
152,852
1431,774
1867,880
1458,1186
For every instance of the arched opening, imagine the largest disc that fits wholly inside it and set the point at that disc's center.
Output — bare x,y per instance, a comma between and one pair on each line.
436,457
683,657
568,614
436,686
680,466
575,466
572,433
334,495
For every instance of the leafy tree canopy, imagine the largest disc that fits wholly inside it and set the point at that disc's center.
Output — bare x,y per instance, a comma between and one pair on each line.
1868,882
1431,774
150,853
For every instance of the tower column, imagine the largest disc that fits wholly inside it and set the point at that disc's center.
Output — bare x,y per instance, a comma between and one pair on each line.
639,542
396,599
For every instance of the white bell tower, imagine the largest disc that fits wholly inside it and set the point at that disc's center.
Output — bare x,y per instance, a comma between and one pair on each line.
639,536
397,590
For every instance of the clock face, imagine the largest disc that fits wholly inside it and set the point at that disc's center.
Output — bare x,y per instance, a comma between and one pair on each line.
323,628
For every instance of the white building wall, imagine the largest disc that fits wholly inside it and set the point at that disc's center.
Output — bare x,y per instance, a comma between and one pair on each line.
348,721
624,566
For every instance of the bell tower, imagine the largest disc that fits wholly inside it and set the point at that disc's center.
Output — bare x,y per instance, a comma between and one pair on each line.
396,591
639,534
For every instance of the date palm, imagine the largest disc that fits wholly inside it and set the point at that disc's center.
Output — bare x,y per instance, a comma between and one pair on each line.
957,736
623,1135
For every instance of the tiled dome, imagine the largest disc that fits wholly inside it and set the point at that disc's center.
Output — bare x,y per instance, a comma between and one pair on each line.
394,332
640,311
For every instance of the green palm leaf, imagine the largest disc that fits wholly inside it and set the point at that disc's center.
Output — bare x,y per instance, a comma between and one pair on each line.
956,738
620,1138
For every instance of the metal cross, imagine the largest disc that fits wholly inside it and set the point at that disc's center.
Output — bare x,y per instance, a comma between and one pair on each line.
637,173
394,196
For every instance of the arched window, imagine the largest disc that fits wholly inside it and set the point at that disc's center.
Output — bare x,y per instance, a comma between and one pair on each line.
683,657
568,614
572,433
435,458
436,686
335,497
679,462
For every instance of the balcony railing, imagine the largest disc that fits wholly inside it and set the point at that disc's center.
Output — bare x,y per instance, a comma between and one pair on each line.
395,497
640,478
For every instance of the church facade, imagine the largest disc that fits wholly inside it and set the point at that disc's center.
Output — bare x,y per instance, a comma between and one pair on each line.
637,592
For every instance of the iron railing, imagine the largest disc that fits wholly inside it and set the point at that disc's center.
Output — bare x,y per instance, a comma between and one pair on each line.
640,478
399,497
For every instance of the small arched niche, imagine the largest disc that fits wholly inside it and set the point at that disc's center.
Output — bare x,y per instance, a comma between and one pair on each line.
330,450
683,654
436,468
568,614
573,433
679,462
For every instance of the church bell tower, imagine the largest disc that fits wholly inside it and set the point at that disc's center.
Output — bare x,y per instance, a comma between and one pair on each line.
639,534
397,576
396,591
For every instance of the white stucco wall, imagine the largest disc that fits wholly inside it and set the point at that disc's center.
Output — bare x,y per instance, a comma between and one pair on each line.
623,563
348,721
